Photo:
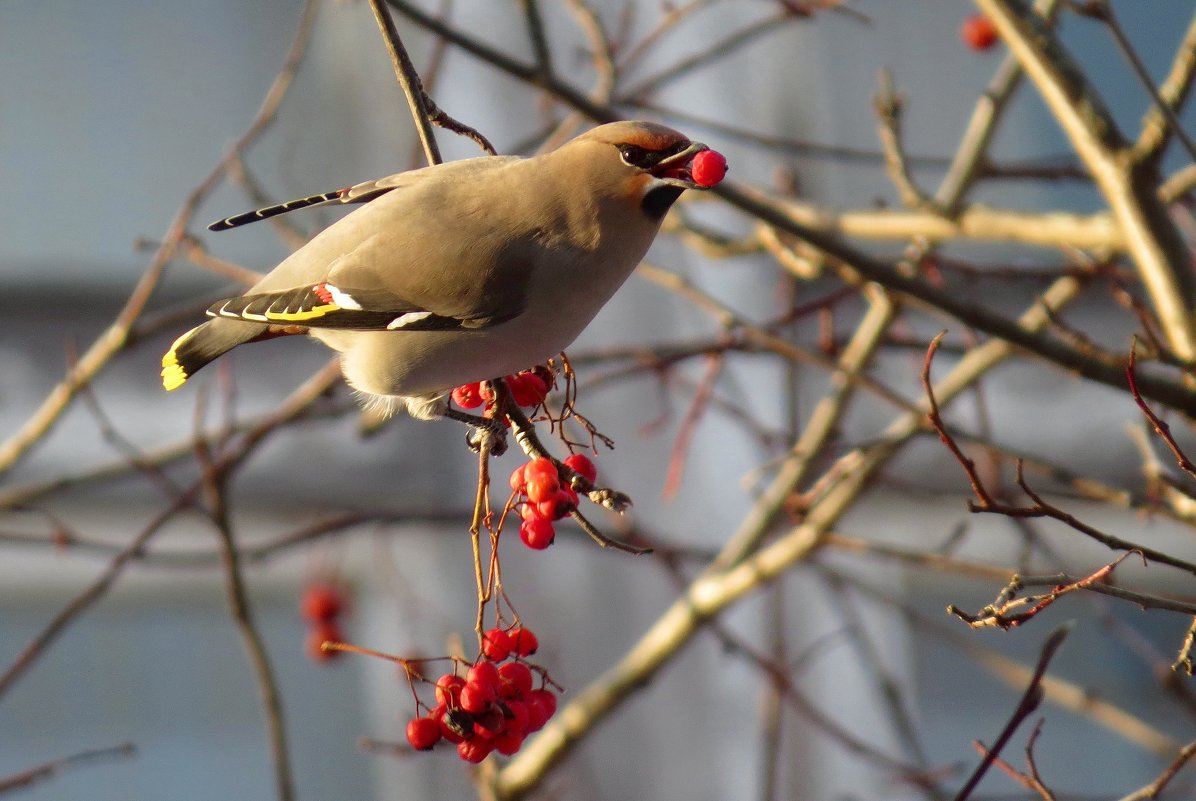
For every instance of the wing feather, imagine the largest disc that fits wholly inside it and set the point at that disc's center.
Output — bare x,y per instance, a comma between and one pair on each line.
325,305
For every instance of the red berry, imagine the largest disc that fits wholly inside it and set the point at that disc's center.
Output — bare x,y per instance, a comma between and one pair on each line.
324,631
476,699
524,642
321,603
496,644
580,463
561,504
516,679
475,750
423,733
469,396
448,689
455,724
537,533
544,374
978,32
483,674
530,511
708,168
490,724
528,389
543,466
518,480
541,705
542,488
516,716
548,509
508,743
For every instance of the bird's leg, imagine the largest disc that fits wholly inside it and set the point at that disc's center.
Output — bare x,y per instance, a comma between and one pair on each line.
482,429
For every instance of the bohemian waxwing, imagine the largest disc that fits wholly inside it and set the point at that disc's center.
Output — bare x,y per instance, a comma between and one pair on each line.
460,272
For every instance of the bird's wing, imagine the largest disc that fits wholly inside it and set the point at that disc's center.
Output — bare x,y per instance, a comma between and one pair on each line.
463,247
325,305
363,192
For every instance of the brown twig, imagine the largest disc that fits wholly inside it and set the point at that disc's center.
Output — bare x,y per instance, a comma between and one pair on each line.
215,488
1160,427
936,422
888,105
1000,613
1030,780
1156,787
1030,701
48,770
409,81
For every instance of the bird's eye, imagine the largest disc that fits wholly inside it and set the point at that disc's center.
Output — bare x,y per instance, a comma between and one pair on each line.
636,156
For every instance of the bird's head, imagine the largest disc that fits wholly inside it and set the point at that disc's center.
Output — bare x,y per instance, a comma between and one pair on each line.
643,162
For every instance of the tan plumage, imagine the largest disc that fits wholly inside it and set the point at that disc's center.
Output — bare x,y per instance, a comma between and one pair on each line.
463,271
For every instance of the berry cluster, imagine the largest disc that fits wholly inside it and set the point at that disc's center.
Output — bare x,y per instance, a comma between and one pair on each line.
493,707
544,499
528,388
322,605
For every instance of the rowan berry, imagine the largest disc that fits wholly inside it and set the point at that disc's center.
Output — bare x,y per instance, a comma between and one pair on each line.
496,644
469,396
978,32
537,533
517,717
448,689
455,724
483,674
423,733
708,168
508,743
321,603
518,480
542,488
541,705
489,724
556,507
580,463
515,678
475,750
541,466
478,699
528,389
523,641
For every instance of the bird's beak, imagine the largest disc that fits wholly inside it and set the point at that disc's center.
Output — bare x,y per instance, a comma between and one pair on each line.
675,170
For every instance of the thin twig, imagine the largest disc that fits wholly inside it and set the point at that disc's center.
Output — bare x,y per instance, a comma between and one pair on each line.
48,770
1156,787
408,79
1030,700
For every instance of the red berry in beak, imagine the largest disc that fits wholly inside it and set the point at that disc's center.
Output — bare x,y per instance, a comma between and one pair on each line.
708,168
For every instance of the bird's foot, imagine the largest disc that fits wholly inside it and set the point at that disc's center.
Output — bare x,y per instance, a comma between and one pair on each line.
484,432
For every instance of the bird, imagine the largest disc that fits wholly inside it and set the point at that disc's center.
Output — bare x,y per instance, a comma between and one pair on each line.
460,272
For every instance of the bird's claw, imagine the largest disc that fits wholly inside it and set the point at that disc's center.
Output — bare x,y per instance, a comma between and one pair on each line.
492,438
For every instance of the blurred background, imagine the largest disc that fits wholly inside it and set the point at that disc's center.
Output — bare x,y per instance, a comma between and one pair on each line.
112,113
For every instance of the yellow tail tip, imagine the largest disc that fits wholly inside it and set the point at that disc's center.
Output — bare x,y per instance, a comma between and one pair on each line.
173,374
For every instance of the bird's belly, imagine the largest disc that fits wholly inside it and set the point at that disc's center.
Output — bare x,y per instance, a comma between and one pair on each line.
423,363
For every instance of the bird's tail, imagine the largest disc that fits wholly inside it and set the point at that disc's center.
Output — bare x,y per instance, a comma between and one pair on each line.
201,345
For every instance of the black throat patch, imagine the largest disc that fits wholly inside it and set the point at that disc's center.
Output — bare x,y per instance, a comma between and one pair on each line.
658,201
